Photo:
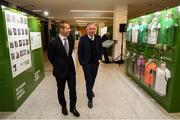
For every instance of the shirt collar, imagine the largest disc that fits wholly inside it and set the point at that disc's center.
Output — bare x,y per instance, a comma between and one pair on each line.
62,37
92,38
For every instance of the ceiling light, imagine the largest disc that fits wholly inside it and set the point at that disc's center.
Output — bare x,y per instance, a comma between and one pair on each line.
93,17
84,21
97,11
46,13
37,10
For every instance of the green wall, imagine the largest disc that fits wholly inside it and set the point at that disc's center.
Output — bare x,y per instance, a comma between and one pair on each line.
25,82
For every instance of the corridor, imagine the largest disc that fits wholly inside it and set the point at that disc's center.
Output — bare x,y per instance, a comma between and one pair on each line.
116,97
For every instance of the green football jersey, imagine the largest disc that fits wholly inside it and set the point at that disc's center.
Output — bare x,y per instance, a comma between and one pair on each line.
167,31
143,33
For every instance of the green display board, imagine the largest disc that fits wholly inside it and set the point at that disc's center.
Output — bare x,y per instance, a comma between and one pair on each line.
21,66
153,55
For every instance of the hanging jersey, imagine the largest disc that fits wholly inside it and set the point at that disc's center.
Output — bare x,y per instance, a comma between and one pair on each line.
131,63
143,33
167,31
153,32
140,66
150,71
129,33
162,76
135,32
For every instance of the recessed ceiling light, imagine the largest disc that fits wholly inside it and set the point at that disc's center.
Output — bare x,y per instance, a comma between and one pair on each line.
37,10
93,17
85,21
46,13
91,11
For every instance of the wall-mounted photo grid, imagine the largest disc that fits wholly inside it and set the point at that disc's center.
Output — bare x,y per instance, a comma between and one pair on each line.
18,40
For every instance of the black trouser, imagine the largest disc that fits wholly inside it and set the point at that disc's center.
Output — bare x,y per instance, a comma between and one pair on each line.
71,80
105,53
90,73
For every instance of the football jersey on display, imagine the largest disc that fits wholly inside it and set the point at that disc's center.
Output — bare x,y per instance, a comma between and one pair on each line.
153,32
143,33
162,76
135,32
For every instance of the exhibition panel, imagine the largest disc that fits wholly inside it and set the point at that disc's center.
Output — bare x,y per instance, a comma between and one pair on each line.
21,68
153,54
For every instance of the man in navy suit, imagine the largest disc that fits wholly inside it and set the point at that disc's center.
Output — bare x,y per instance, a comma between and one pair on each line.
89,54
60,55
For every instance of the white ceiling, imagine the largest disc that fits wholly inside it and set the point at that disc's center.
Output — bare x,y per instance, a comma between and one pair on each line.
60,9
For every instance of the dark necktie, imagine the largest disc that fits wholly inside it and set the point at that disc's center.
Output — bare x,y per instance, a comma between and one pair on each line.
92,38
66,45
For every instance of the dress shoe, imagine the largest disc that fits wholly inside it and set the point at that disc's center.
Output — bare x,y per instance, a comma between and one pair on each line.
64,111
75,112
90,103
93,95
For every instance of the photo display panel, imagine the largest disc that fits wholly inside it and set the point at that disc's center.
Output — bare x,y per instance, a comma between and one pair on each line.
18,41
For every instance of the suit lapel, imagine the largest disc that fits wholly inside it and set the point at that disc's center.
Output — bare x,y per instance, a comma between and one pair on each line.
70,44
61,46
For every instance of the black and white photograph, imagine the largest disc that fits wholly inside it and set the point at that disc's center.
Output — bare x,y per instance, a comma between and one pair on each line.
17,55
22,31
27,42
14,31
19,31
11,45
13,56
20,43
9,31
8,18
16,43
24,42
14,68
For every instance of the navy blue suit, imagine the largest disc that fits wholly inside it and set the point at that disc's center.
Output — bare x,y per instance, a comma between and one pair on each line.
89,54
63,69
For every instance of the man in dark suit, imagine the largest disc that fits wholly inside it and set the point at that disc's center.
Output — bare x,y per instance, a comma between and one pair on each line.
105,50
89,54
60,55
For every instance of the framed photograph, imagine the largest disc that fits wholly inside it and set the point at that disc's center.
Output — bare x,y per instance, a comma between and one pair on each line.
19,31
14,31
9,31
8,18
22,31
13,56
24,42
27,42
11,45
14,68
17,55
16,43
20,43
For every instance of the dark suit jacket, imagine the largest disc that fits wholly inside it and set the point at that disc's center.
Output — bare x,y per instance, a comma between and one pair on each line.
84,49
61,62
